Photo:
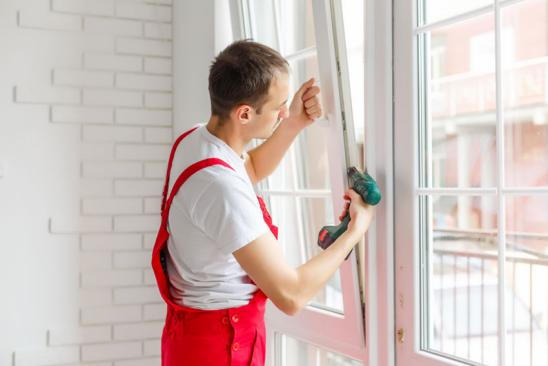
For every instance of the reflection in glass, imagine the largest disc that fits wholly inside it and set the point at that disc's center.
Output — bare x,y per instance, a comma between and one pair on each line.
305,166
318,212
298,353
312,159
299,220
525,90
462,276
311,144
296,25
354,26
305,163
460,101
283,177
302,70
263,22
436,10
527,277
284,215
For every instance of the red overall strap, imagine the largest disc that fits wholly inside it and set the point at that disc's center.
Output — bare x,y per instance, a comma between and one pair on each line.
170,162
187,173
158,257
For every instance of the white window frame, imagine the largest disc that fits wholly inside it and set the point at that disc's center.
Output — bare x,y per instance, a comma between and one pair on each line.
379,160
342,334
407,189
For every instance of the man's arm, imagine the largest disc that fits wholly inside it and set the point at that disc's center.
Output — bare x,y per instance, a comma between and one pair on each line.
304,109
263,160
291,288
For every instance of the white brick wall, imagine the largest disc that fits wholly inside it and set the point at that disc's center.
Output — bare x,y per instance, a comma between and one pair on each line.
77,335
89,92
143,82
113,351
143,47
96,7
105,61
110,314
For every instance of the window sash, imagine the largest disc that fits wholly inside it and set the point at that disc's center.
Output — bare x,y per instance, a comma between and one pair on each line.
346,334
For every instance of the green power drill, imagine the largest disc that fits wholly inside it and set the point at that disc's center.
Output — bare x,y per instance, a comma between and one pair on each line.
368,189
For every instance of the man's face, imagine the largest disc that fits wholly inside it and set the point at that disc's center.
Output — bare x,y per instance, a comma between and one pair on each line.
273,110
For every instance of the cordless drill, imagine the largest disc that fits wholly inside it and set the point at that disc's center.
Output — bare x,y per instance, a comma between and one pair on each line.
367,188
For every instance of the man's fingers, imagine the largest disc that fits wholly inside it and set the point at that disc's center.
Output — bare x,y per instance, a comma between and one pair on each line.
344,211
311,102
312,91
351,194
306,86
314,110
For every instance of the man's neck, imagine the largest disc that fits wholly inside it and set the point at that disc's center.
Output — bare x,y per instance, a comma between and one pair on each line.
228,133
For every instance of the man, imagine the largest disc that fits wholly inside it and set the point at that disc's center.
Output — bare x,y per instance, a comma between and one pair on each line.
216,257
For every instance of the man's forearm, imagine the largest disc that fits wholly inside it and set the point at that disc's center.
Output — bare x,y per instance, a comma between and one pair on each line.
266,157
314,274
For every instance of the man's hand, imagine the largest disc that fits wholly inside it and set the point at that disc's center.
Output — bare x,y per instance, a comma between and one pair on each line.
305,106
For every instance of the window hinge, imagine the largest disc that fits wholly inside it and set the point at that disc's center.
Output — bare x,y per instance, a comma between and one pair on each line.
400,335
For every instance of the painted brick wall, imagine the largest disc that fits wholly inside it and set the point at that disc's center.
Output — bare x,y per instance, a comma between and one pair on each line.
85,129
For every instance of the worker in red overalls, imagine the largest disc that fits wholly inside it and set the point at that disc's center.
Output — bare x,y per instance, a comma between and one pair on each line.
216,258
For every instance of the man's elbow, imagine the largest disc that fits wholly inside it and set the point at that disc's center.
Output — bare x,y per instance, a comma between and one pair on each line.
290,305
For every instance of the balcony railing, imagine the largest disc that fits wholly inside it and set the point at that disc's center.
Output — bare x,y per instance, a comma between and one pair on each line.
463,301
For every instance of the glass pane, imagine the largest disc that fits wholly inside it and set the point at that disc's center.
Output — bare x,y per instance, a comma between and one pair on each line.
299,221
435,10
312,160
302,70
298,353
311,144
263,22
296,25
318,212
284,215
527,277
284,175
525,71
461,277
354,26
311,167
460,100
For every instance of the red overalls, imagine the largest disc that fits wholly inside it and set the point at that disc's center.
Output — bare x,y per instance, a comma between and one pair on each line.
194,337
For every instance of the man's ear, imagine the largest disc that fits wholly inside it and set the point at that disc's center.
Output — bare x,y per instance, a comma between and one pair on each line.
244,113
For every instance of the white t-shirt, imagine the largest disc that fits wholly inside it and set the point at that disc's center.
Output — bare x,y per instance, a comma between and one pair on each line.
215,213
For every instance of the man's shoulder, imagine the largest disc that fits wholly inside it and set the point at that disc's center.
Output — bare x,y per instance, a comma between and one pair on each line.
217,177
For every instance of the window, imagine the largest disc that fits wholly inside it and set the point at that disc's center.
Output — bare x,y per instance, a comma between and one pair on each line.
471,154
306,190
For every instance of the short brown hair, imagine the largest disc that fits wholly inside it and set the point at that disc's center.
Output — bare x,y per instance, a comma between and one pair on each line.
242,73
